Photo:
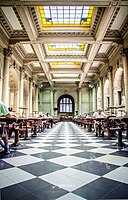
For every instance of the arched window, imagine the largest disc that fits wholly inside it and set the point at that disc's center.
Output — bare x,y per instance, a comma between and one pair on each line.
66,104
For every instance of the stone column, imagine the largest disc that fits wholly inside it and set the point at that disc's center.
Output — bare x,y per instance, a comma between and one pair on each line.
36,98
94,98
79,101
125,66
5,95
0,88
110,77
30,96
21,90
102,92
52,103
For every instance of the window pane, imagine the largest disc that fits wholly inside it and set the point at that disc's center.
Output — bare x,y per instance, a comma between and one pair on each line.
66,105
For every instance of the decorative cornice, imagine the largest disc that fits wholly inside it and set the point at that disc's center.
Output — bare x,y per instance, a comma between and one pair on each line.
124,27
115,14
12,33
98,17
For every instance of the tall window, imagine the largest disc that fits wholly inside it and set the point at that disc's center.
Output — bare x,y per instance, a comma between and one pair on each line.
66,104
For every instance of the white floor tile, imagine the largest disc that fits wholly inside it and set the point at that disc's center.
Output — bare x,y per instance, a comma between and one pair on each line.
102,150
32,151
67,145
71,196
16,175
96,144
120,174
22,160
68,160
111,159
5,181
78,175
68,151
69,184
38,145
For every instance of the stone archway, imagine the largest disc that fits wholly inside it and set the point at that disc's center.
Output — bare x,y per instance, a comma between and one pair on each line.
118,86
13,89
66,105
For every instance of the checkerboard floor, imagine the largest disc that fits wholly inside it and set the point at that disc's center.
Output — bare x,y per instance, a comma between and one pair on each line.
64,163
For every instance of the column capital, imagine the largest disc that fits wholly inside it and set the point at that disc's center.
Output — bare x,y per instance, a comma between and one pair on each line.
109,68
8,52
79,89
22,69
124,52
101,78
31,79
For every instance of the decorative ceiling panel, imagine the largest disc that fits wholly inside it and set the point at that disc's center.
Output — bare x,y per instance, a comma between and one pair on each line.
65,49
11,22
11,16
65,75
28,48
120,17
65,64
66,16
104,48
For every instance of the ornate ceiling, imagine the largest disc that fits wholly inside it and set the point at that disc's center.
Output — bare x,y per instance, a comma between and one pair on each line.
64,42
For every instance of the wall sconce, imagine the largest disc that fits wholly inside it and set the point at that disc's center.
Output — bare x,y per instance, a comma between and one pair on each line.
40,85
90,85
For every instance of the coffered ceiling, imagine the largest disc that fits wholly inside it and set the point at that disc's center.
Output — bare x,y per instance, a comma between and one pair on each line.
66,42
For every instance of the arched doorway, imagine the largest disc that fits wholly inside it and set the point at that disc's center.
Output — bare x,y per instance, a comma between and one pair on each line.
118,87
66,106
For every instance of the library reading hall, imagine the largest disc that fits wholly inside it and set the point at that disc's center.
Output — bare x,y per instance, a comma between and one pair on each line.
63,99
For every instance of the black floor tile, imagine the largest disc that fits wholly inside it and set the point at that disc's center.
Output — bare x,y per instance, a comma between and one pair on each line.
4,165
13,192
96,189
88,155
121,153
83,147
28,197
47,155
120,192
41,168
95,167
51,192
50,147
34,184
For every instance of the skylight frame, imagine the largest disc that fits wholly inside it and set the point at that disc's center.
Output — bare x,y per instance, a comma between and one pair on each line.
76,47
66,16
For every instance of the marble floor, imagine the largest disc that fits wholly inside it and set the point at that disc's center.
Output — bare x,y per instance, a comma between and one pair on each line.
64,163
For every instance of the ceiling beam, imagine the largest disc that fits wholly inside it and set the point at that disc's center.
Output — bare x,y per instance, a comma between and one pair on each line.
65,71
32,33
104,24
60,3
65,79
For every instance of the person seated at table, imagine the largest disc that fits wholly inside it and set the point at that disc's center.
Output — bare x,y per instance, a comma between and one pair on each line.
99,114
11,126
50,119
4,112
88,116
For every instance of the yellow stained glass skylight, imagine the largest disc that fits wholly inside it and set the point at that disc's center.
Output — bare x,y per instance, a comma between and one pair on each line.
65,64
66,16
65,47
65,75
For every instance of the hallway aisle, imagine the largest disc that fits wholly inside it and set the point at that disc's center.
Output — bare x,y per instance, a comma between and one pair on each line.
65,163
